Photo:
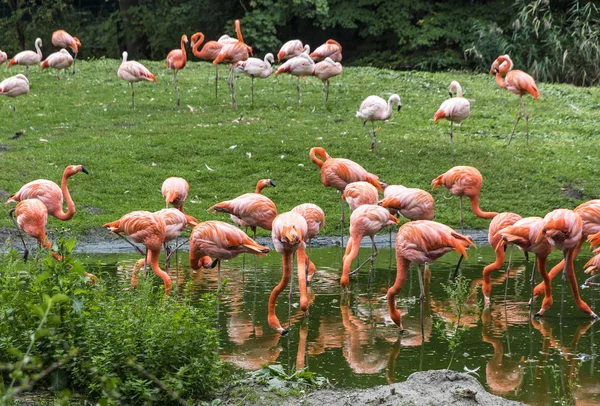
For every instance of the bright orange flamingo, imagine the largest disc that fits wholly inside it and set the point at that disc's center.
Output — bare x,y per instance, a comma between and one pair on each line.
368,220
455,109
175,191
260,186
339,172
288,234
220,241
330,49
291,49
50,194
28,58
360,193
175,222
563,229
63,39
524,233
148,229
517,82
233,53
209,52
464,181
58,60
498,223
421,242
298,66
176,60
133,72
326,70
13,87
315,221
590,215
374,108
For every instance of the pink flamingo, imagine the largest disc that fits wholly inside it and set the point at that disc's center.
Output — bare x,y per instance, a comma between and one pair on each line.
63,39
28,58
255,67
58,60
368,220
176,60
133,72
330,49
50,194
291,49
298,66
360,193
315,221
13,87
517,82
325,70
374,108
3,57
456,109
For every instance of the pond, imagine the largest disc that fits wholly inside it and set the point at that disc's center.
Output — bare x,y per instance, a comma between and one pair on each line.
351,340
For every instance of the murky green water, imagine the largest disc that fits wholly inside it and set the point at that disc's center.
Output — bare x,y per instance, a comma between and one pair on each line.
352,342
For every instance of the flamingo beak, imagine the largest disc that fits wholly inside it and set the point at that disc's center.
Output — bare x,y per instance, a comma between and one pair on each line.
272,183
84,170
450,93
399,107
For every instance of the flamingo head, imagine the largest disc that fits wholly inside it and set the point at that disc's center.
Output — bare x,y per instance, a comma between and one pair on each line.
291,235
270,58
184,38
501,65
396,99
205,262
73,169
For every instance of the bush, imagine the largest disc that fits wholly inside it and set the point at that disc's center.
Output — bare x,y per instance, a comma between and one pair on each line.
131,346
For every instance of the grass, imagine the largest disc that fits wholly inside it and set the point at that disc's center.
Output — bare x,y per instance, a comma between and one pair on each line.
129,154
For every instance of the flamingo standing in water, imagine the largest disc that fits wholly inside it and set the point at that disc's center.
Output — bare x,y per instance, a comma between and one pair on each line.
148,229
291,49
374,108
501,221
456,109
421,242
288,235
175,191
325,70
58,60
517,82
233,53
260,186
367,219
464,181
563,229
50,194
176,60
133,72
63,39
339,172
175,222
298,66
315,221
330,49
3,57
221,241
28,58
255,67
15,86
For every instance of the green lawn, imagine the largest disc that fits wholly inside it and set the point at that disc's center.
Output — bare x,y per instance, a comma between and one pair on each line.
129,154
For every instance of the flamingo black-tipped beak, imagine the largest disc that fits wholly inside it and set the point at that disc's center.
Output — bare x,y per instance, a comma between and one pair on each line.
450,93
399,107
84,170
284,332
214,263
272,183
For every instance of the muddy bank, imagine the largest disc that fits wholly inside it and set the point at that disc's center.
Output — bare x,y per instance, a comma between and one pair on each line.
100,241
438,387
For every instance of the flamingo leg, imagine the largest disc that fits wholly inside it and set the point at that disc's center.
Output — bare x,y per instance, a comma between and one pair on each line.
132,98
74,59
374,140
508,273
453,277
132,244
517,122
27,71
14,109
462,225
254,238
374,253
145,262
327,93
298,89
216,81
25,250
168,256
452,138
570,271
176,89
422,300
252,88
231,83
532,287
342,220
526,121
219,275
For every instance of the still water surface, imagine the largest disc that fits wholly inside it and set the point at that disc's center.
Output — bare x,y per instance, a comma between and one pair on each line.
351,341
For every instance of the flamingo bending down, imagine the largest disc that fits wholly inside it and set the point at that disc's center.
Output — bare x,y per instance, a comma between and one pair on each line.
456,109
288,235
209,52
298,66
231,54
148,229
360,193
330,49
132,72
255,67
175,222
63,39
3,57
176,60
421,242
175,191
291,49
368,220
58,60
14,86
500,222
220,241
28,58
563,229
325,70
517,82
464,181
374,108
315,221
50,194
339,172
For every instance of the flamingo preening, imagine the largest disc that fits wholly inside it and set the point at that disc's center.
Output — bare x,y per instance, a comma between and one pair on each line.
132,72
28,58
63,39
58,60
176,60
374,108
13,87
455,109
291,49
330,49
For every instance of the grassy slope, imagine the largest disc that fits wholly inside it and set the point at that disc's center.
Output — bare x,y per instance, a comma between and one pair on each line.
89,121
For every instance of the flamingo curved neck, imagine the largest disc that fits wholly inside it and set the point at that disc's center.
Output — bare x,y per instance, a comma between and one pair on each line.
67,196
389,109
38,50
196,45
499,80
456,86
183,51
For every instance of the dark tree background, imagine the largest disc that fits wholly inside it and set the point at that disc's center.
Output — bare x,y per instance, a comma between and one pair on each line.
555,41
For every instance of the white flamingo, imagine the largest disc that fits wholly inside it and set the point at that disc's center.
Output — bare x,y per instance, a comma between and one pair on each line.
255,67
456,109
133,72
12,87
28,58
374,108
299,66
